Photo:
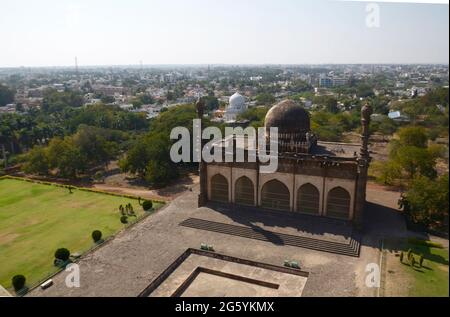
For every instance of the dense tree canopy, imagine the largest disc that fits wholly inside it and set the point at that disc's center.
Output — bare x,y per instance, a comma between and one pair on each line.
6,95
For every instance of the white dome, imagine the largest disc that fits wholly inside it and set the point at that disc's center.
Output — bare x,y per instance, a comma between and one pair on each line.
237,101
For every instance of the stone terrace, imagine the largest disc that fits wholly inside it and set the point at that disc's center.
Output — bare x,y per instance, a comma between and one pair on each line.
126,265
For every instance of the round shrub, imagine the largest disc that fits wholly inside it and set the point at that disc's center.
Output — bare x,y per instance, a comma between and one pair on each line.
62,254
147,205
124,219
97,235
18,281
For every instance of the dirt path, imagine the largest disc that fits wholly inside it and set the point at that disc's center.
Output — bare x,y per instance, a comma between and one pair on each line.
167,193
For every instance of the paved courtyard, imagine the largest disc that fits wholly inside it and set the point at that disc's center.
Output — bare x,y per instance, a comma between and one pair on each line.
126,265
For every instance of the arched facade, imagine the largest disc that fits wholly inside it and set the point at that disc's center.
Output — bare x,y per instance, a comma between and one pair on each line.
275,195
339,203
219,189
308,200
297,193
244,192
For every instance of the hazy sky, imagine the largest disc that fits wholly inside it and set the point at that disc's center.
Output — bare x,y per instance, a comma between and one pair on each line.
125,32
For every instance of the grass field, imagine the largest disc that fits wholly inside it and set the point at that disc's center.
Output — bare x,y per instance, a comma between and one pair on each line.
36,219
430,280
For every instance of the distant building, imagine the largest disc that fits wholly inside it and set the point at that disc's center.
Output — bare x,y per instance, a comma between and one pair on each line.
397,116
325,82
339,82
236,107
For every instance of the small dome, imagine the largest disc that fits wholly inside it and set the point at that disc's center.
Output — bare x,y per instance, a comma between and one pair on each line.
288,117
237,101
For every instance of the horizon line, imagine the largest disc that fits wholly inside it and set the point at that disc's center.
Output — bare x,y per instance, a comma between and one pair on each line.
227,64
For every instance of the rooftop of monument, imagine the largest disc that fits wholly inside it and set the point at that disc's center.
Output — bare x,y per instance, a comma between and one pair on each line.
323,149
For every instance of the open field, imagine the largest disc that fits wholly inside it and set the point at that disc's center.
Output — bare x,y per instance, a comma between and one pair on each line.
37,219
401,279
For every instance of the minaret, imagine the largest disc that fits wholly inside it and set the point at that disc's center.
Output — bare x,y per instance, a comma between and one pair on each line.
203,196
363,166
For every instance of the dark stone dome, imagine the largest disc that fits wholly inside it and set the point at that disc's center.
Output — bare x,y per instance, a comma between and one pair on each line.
288,117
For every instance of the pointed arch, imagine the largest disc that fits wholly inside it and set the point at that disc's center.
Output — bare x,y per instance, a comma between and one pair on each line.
275,195
244,192
219,189
338,203
308,199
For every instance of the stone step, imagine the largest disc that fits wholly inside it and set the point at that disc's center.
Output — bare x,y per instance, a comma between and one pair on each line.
350,249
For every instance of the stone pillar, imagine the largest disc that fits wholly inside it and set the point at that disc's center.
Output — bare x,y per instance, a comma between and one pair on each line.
363,166
203,196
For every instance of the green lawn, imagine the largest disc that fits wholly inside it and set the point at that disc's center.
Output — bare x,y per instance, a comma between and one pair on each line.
36,219
430,280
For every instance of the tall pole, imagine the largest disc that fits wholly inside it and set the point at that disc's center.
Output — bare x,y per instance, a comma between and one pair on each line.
76,67
363,166
203,196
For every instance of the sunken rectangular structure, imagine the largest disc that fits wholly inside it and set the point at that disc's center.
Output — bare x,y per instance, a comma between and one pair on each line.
198,273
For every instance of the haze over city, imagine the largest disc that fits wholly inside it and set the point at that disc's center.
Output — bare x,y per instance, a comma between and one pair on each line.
52,33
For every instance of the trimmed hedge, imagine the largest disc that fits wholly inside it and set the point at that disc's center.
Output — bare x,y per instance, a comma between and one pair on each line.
96,235
62,254
147,205
18,282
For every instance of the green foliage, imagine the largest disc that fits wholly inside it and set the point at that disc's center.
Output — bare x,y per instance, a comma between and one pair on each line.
211,103
66,157
428,200
96,236
62,254
143,99
330,127
265,99
300,86
414,160
386,126
149,157
18,282
36,161
124,219
147,205
160,173
6,95
413,136
106,117
386,172
327,103
256,116
55,101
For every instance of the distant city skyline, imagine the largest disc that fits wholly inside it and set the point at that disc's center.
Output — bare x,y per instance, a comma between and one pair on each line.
220,32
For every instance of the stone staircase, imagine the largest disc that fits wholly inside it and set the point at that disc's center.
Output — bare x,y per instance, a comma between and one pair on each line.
349,249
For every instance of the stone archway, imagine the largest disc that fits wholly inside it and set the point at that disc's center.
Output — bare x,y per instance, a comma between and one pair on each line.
275,195
244,192
219,189
338,203
308,200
